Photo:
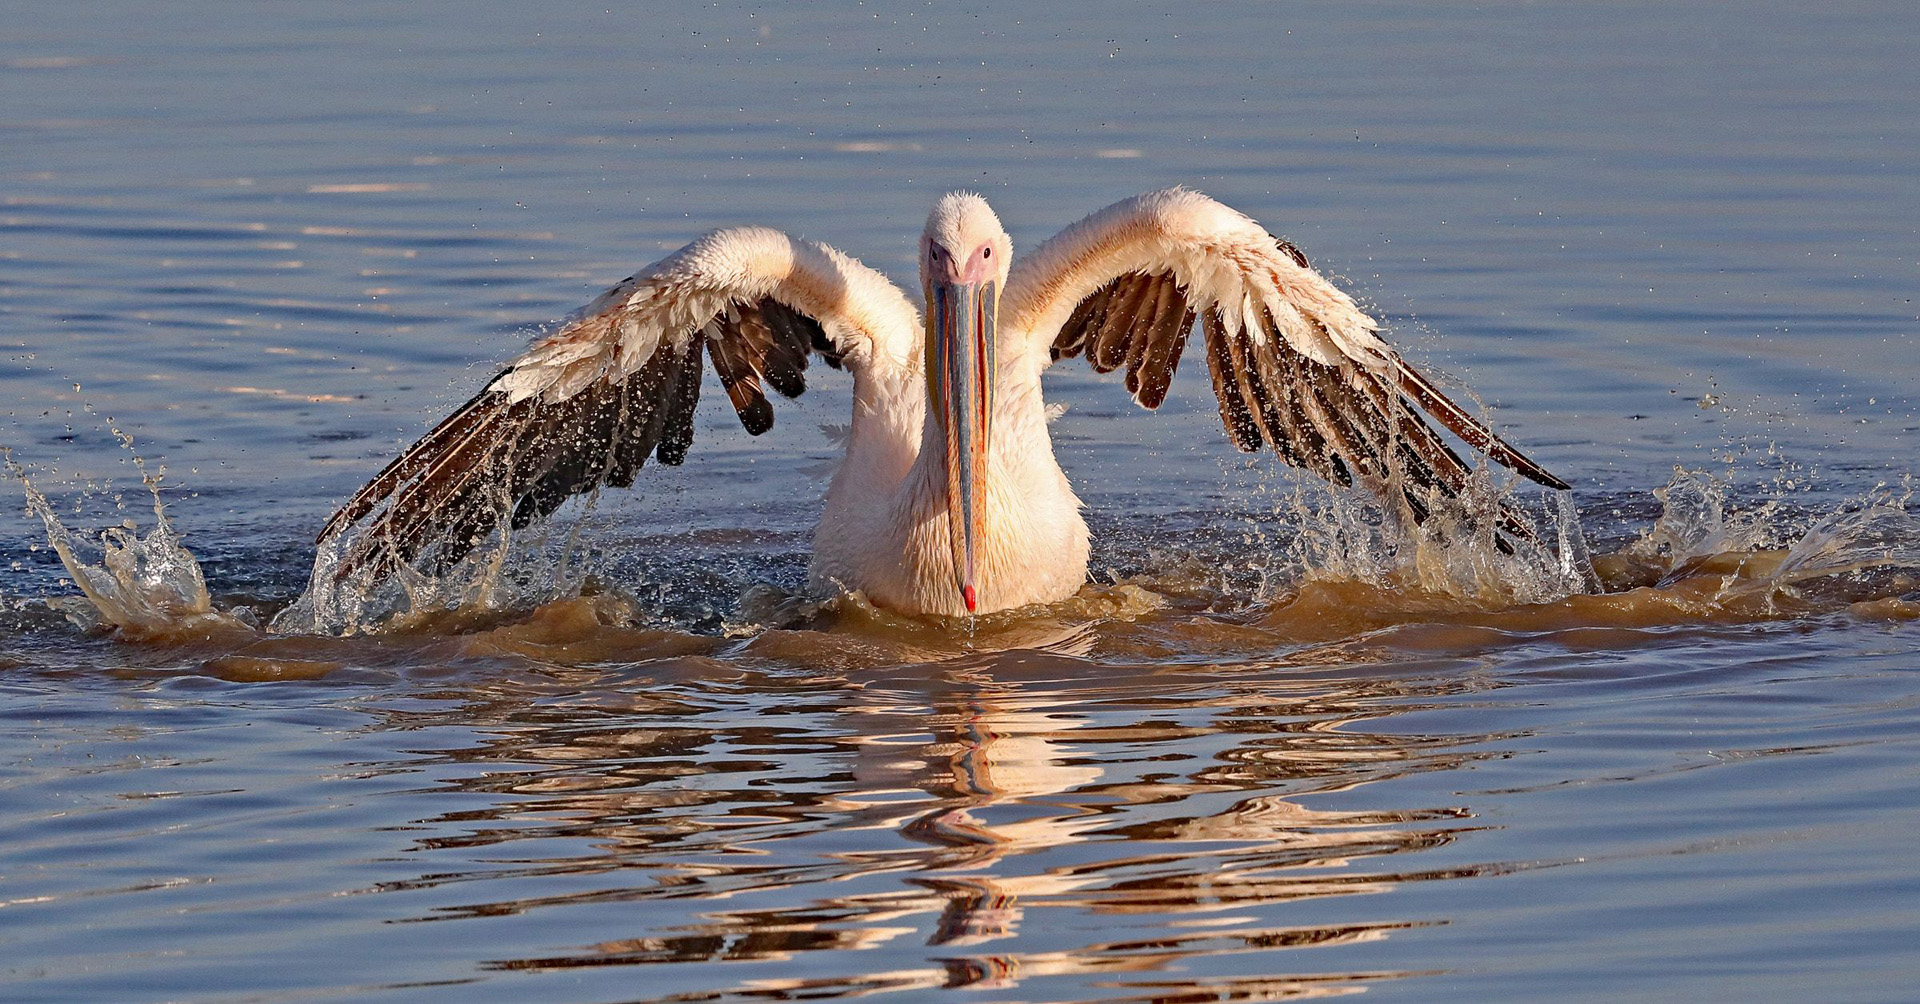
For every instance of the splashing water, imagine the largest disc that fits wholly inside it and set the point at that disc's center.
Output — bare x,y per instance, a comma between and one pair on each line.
1455,552
1760,555
142,587
511,572
1349,565
1700,562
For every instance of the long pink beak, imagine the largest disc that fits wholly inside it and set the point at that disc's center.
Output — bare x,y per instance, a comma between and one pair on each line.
960,376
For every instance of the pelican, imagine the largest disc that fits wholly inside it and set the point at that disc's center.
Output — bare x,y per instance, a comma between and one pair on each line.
948,501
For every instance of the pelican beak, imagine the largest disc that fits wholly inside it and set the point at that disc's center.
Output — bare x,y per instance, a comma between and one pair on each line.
960,377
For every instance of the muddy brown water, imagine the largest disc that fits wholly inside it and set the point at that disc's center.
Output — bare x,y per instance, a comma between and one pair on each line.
1253,760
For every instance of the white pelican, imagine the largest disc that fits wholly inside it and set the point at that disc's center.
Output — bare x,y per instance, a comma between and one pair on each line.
949,500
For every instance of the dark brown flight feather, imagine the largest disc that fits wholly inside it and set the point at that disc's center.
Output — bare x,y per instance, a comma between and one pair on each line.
496,458
1344,422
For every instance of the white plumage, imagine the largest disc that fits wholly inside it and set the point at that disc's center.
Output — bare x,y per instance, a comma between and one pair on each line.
949,498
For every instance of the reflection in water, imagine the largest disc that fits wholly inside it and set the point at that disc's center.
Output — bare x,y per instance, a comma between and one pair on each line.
1145,791
1047,801
1653,233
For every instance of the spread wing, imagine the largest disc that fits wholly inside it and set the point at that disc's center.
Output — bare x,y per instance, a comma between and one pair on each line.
587,405
1296,365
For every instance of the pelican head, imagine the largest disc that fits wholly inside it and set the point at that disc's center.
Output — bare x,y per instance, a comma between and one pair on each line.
964,254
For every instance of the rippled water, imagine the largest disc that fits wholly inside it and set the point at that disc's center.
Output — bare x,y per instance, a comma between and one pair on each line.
269,247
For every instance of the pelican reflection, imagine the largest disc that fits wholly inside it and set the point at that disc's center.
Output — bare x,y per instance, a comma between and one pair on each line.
988,831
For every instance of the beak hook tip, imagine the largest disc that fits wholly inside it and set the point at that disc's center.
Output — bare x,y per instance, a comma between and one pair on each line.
966,593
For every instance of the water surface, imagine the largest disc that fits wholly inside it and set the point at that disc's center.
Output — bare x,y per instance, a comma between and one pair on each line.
272,248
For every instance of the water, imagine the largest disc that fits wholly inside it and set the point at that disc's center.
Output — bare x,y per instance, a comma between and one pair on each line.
271,248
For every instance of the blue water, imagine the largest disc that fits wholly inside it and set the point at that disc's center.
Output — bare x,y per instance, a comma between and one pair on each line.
272,245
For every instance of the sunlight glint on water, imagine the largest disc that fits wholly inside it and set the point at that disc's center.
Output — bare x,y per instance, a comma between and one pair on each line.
1278,749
